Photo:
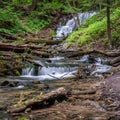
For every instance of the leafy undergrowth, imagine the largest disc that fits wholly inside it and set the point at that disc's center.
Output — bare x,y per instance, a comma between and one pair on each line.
10,22
95,29
14,22
13,19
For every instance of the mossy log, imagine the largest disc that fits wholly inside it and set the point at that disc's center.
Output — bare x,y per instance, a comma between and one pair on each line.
47,42
41,53
40,100
17,48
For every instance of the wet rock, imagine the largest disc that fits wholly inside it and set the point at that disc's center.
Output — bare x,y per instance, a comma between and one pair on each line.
91,59
46,86
3,107
9,84
36,82
5,83
43,87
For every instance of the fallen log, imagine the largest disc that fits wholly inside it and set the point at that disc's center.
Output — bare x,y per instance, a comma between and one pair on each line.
81,52
8,36
113,54
115,62
34,63
47,42
41,53
17,48
40,100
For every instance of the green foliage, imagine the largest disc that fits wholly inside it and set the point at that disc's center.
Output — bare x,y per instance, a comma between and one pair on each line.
23,2
13,20
115,23
18,42
23,118
35,24
41,44
10,22
17,73
95,28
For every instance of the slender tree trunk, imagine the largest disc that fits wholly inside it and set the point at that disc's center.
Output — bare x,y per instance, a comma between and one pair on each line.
100,6
77,23
108,25
32,6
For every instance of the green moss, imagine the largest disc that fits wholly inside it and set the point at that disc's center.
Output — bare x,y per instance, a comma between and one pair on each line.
23,118
96,28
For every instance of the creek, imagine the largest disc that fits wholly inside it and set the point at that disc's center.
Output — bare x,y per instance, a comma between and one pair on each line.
57,68
52,69
45,70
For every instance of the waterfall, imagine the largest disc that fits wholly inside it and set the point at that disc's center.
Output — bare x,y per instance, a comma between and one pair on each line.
64,31
61,67
52,68
28,71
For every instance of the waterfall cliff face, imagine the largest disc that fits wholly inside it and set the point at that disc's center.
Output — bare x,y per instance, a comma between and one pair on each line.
65,30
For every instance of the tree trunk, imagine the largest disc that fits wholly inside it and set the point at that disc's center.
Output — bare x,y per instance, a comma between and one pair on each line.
108,24
77,23
34,4
31,7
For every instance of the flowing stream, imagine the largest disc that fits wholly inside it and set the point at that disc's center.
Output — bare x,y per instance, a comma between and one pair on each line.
60,67
57,67
49,69
70,25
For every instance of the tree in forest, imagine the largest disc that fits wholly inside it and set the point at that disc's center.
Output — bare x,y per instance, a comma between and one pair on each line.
32,6
108,25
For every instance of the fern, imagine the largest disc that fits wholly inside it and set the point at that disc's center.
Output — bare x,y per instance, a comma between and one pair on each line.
96,28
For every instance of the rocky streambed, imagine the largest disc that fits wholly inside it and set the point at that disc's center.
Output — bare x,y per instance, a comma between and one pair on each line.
85,90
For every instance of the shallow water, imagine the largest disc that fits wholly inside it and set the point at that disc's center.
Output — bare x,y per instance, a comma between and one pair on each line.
52,69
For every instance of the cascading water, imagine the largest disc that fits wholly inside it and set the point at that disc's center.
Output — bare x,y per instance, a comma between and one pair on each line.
101,65
65,30
52,68
60,67
57,68
28,71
